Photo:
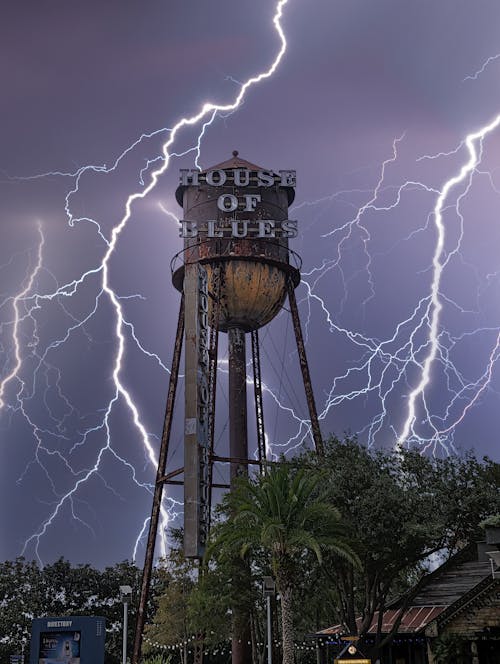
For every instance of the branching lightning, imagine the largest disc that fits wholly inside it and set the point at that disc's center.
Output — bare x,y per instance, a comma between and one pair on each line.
396,372
206,116
474,143
419,341
17,319
482,69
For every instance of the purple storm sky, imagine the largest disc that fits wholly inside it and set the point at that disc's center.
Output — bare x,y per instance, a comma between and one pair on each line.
361,84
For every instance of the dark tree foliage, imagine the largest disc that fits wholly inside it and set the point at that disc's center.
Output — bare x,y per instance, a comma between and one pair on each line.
170,625
196,602
398,509
281,513
28,591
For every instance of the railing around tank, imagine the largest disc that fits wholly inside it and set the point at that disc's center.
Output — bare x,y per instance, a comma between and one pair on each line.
222,250
249,249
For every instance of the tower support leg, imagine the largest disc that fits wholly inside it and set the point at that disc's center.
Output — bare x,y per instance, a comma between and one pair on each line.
238,435
238,449
156,510
304,366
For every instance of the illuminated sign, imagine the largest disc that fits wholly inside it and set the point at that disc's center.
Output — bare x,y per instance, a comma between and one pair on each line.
57,647
352,655
196,435
71,640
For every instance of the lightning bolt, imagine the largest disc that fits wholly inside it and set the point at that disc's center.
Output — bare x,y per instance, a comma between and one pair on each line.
482,69
474,144
207,114
18,318
395,371
418,342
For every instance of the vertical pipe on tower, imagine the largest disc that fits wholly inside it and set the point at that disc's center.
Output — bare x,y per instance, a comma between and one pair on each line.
238,435
238,449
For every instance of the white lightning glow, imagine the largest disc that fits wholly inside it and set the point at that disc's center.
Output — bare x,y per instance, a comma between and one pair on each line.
482,69
18,318
205,116
417,343
474,144
396,371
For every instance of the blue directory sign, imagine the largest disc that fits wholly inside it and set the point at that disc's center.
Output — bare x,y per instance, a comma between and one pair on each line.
68,640
58,647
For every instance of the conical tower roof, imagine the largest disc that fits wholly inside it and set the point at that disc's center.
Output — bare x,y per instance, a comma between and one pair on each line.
235,162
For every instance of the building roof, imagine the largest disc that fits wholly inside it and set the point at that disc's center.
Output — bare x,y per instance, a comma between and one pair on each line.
461,577
235,162
454,581
476,597
415,619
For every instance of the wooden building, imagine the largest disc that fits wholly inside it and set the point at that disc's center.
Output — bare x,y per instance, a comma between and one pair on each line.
453,615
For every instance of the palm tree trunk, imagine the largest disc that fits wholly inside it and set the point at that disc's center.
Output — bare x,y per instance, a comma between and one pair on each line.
287,622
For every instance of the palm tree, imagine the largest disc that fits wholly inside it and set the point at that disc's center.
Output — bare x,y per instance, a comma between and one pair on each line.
282,514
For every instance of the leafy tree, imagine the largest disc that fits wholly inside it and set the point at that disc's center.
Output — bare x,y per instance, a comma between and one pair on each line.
281,514
28,591
170,624
195,602
400,508
158,659
210,604
397,510
20,599
449,648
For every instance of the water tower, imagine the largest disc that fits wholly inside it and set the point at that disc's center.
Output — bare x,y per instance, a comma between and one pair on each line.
234,272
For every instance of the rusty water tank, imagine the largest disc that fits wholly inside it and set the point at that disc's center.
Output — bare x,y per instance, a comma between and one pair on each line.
254,265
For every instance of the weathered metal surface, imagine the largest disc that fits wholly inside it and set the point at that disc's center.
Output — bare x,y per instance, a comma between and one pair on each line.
239,460
256,268
259,406
215,485
253,295
196,409
415,619
229,234
158,492
238,449
208,251
306,376
173,473
238,435
215,289
255,283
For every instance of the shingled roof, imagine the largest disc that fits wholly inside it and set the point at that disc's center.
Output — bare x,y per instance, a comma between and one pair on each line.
461,576
449,582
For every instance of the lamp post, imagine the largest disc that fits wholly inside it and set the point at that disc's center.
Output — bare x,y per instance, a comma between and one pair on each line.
126,594
269,588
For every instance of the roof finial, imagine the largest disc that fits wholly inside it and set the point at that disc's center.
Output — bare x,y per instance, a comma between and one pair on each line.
235,153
